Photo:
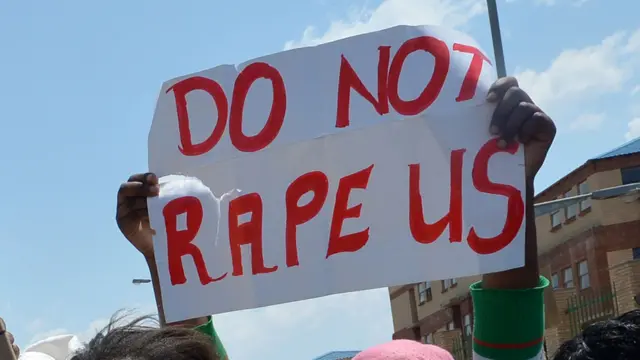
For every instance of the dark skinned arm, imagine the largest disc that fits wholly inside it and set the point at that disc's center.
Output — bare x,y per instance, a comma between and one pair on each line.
527,276
153,270
509,305
132,216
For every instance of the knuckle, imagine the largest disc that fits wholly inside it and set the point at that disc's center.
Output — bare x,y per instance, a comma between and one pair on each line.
529,107
506,83
512,80
134,176
513,91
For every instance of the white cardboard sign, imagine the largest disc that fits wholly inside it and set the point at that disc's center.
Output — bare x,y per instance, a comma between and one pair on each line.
358,164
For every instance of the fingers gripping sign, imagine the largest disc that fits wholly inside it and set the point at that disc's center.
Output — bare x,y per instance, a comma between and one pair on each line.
8,349
517,118
132,213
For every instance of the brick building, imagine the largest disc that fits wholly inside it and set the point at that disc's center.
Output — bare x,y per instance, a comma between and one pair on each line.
586,250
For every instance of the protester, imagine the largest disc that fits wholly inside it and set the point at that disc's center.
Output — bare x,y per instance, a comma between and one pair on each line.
133,220
508,305
615,339
509,319
132,341
136,341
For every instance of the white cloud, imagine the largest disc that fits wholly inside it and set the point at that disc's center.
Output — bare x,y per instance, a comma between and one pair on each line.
633,129
633,44
586,122
578,74
390,13
35,325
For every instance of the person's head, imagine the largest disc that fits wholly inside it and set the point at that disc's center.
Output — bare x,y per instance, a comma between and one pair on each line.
404,350
136,341
615,339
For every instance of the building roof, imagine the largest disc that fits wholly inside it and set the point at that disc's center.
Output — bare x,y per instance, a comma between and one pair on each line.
628,148
338,355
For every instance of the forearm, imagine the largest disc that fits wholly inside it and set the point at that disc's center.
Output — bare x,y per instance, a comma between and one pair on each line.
509,305
191,323
202,324
526,277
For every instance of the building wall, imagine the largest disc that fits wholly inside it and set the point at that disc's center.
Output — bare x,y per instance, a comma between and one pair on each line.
442,298
401,311
606,226
602,212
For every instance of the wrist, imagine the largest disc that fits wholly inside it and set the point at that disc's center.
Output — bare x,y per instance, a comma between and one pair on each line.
529,188
528,275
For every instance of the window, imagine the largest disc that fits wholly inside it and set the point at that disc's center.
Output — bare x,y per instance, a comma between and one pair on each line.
567,275
583,274
572,210
630,175
583,188
555,280
424,292
447,283
556,218
636,253
451,326
467,324
427,339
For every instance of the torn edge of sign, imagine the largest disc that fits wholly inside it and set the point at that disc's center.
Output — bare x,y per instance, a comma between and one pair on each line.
182,185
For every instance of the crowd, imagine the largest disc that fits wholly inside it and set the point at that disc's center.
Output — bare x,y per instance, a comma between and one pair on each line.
508,305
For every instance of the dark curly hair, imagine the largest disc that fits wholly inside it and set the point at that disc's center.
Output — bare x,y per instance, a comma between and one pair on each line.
615,339
138,340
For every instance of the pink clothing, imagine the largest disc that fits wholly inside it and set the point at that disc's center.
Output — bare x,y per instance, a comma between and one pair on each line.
404,350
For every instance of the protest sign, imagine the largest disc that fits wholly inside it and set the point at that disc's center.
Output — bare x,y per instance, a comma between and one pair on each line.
362,163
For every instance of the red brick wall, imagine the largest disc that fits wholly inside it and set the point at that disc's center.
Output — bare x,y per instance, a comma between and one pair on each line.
593,246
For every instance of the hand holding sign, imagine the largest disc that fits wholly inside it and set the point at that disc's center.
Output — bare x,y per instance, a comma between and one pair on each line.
8,349
132,214
517,118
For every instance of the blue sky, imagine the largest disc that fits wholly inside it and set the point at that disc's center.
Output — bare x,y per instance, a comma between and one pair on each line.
80,80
